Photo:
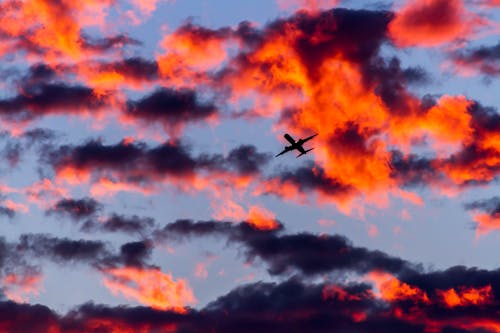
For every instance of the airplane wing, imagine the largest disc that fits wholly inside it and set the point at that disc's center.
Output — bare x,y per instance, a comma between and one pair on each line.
287,149
305,152
309,138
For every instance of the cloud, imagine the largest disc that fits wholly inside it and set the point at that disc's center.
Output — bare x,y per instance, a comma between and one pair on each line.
150,286
52,99
171,108
190,50
433,22
120,223
63,250
486,213
133,72
17,287
482,59
312,72
135,253
54,29
95,253
290,65
100,45
310,5
9,212
305,253
281,307
137,164
76,209
299,182
394,294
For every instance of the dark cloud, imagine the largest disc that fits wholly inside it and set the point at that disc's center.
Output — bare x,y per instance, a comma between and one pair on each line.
62,250
9,212
137,163
3,251
11,153
389,81
26,318
485,120
305,253
249,34
292,305
16,147
341,32
106,43
246,159
491,205
413,170
136,68
288,306
51,98
486,59
312,254
76,209
199,33
39,73
309,178
454,277
184,229
94,154
135,253
171,107
119,223
13,262
39,135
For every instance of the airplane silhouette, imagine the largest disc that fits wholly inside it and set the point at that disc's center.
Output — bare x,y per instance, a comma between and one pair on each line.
296,144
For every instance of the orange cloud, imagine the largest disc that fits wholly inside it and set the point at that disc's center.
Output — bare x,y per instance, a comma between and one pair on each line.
191,51
262,218
150,286
466,296
54,26
447,123
486,223
391,289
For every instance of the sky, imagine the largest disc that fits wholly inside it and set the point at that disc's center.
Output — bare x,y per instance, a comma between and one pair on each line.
140,192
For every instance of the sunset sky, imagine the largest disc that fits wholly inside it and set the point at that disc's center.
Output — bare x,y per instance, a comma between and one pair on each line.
139,189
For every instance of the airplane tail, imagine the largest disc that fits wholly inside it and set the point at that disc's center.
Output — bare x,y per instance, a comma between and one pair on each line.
305,152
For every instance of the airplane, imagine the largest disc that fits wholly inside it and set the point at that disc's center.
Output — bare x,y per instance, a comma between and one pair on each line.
296,145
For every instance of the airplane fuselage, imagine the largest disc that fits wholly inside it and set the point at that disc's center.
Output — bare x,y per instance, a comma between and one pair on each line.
296,145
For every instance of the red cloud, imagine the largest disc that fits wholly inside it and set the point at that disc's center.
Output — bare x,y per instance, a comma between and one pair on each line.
17,287
433,22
